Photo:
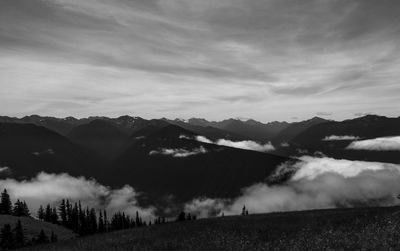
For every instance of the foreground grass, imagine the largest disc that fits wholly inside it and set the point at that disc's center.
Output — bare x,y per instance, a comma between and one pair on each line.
341,229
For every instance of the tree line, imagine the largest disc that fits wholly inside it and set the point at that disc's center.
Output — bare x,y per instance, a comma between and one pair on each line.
72,215
86,221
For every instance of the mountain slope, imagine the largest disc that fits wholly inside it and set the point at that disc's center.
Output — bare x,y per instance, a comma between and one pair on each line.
28,149
367,127
99,135
295,129
196,169
250,129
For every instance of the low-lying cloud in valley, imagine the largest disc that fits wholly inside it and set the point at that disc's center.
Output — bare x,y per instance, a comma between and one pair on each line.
316,183
245,144
377,144
179,153
4,169
337,138
51,188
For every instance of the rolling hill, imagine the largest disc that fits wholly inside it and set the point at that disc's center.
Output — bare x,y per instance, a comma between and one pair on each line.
32,227
335,229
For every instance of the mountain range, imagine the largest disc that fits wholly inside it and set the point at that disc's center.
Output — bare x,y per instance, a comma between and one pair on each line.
165,158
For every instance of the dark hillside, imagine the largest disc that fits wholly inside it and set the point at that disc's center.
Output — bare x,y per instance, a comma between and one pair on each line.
336,229
28,149
213,171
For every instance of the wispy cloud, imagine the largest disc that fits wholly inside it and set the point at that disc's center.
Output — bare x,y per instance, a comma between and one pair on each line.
377,144
51,188
179,153
269,54
246,144
340,137
315,183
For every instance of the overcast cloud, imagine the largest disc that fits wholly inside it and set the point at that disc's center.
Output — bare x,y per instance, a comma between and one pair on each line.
267,60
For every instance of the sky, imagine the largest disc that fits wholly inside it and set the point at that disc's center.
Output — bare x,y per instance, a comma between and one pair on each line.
262,59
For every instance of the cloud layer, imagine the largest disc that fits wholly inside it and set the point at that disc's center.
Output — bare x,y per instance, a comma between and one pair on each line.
246,144
338,138
377,144
316,183
51,188
179,153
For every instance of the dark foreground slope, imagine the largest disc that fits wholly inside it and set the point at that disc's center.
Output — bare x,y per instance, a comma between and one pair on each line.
340,229
32,227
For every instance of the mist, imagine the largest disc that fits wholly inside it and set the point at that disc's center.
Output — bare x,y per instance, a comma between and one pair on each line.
48,188
315,183
377,144
245,144
178,153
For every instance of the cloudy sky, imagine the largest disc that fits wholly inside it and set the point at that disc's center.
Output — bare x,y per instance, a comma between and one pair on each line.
265,59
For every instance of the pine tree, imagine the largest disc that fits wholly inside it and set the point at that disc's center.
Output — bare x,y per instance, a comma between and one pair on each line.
42,238
19,234
68,208
41,213
93,221
106,223
47,214
75,218
101,223
138,220
5,203
25,209
54,216
53,237
181,217
63,213
18,208
7,237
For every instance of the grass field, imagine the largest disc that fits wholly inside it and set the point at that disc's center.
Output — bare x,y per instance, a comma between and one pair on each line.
340,229
32,227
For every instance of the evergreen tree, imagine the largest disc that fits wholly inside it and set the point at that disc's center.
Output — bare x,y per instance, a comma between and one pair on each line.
53,237
75,218
68,208
54,216
101,223
41,213
25,209
7,237
5,203
42,238
92,221
181,217
106,223
138,220
19,234
63,212
48,213
18,208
